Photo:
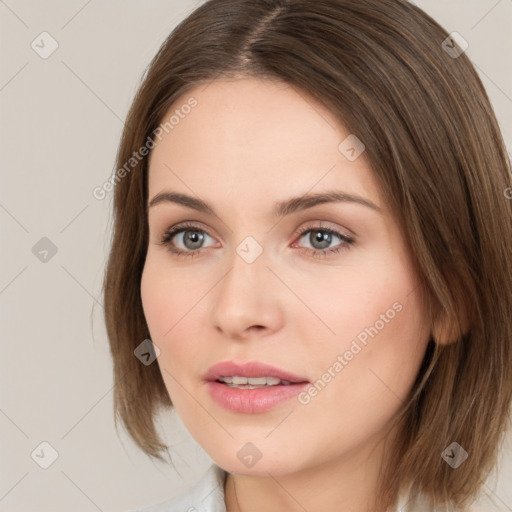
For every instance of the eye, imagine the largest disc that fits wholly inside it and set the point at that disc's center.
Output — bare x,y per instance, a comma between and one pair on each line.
321,239
185,239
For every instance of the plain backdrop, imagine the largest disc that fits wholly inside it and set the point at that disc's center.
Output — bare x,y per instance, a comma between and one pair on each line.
61,120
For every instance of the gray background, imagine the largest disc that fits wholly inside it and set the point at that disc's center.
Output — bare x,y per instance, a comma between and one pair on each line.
61,119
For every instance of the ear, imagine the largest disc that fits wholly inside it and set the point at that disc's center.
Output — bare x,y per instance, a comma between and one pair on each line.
447,329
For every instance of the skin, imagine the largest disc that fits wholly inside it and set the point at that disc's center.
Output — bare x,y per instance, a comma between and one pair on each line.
248,144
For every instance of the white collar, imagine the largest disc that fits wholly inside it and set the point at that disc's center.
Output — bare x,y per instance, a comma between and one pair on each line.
207,495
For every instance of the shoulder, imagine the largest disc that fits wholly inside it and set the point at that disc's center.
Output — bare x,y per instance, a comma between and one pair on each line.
421,504
410,503
207,495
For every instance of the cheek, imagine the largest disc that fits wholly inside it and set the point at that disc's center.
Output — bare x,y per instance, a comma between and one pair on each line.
162,305
356,299
157,301
381,336
166,296
378,329
172,305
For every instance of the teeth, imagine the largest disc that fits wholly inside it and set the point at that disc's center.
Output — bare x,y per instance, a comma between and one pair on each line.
253,381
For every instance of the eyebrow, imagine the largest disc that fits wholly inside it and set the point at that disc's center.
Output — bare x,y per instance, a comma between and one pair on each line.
281,209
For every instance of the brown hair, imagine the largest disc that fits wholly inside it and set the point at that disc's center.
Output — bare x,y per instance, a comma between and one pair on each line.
435,148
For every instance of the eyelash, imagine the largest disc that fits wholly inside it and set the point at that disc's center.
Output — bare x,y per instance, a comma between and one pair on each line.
172,232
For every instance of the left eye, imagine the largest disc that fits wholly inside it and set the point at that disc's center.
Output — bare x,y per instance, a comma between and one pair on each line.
320,240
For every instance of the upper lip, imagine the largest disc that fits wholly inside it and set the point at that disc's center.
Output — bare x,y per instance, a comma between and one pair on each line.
249,369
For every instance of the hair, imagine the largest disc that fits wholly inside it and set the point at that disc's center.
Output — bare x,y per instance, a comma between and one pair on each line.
436,151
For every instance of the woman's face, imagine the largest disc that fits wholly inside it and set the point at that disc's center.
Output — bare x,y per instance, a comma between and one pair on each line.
295,263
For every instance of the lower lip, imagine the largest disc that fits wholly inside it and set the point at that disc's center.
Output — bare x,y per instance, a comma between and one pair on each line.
252,401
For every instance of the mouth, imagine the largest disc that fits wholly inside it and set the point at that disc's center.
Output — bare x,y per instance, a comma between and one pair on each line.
251,387
252,373
252,382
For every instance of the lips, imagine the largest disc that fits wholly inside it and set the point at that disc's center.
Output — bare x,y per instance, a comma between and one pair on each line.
252,369
251,387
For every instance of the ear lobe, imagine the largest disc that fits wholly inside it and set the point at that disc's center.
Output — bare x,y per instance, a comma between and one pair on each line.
447,330
443,333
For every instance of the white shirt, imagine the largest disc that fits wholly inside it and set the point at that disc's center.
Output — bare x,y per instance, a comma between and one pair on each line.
208,496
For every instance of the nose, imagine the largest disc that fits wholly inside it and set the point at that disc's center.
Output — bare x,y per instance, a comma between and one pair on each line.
246,300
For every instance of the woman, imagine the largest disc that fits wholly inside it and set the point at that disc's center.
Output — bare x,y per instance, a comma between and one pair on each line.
311,259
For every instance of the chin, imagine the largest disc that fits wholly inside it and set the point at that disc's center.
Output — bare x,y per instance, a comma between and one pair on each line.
249,460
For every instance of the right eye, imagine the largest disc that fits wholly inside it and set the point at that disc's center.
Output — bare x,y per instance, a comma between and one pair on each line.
185,240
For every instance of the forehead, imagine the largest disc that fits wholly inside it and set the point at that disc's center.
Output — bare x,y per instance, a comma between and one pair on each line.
254,135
